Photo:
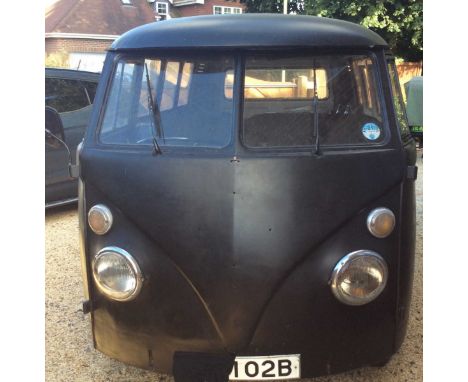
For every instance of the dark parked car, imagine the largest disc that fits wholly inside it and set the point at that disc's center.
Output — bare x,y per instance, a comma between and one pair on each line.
414,107
69,95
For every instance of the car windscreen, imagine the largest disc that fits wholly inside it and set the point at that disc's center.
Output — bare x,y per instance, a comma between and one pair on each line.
179,101
290,100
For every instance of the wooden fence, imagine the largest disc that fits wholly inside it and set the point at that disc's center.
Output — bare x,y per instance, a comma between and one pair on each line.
406,71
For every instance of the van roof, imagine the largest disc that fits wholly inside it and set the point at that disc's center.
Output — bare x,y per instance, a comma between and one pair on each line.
248,31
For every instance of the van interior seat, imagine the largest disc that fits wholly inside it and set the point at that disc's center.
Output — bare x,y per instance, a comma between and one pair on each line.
292,129
279,129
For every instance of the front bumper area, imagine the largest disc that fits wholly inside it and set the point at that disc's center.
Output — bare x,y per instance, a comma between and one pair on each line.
301,316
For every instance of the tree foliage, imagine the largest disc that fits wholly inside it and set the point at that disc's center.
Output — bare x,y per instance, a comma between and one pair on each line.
399,22
273,6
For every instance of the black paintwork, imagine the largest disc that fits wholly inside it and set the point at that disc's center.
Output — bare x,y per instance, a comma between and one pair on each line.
237,252
249,31
59,187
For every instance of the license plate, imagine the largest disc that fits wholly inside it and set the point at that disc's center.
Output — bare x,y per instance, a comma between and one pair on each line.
266,368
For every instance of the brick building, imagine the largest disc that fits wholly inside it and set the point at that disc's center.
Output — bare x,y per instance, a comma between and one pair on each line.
78,32
167,9
183,8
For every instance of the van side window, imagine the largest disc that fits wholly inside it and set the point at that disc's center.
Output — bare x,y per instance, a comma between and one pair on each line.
285,97
170,85
366,83
185,78
400,109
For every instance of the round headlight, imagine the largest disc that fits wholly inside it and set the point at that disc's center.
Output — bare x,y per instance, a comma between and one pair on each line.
100,219
359,277
381,222
117,274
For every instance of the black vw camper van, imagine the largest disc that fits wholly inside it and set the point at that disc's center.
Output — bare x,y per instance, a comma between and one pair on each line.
247,205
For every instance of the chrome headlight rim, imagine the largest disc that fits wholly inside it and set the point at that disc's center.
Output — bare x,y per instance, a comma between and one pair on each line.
110,293
372,218
106,213
345,262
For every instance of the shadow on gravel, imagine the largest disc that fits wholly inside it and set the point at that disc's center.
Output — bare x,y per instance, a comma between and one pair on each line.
72,207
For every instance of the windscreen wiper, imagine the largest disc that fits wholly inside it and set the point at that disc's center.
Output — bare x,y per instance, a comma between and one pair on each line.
156,116
316,123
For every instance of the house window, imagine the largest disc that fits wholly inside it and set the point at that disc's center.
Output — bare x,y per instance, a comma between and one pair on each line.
219,10
161,9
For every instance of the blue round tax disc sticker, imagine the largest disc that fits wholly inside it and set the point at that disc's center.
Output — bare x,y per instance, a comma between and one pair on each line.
371,131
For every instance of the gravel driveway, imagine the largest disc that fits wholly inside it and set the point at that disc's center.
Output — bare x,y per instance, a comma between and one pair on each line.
70,355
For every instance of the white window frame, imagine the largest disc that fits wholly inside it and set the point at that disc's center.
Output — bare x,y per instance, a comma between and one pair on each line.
223,8
167,8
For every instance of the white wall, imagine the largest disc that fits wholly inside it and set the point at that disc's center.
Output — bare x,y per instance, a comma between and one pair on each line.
87,61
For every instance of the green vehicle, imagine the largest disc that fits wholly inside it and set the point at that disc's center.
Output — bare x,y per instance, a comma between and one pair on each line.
414,107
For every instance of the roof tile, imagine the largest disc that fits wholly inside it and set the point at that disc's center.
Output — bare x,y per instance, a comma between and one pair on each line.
107,17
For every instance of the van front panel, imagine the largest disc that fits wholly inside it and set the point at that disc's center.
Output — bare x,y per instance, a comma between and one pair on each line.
237,182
